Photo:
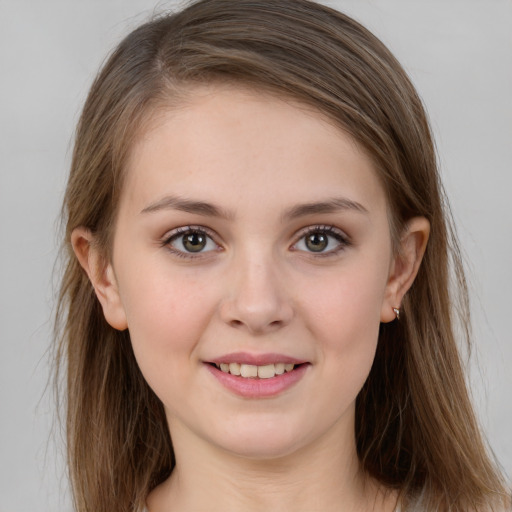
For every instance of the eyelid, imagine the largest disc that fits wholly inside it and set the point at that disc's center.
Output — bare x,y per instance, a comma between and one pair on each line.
338,234
180,230
330,230
326,228
168,238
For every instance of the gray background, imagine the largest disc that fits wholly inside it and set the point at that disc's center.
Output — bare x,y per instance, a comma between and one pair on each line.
459,54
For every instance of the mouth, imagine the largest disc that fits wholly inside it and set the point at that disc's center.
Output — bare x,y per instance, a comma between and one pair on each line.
255,376
258,381
250,371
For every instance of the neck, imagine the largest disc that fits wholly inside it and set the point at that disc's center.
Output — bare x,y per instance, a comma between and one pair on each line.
323,476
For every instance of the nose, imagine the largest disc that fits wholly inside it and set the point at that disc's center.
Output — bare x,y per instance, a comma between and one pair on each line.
257,299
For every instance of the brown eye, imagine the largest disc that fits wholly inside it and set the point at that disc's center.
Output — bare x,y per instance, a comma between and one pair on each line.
194,242
317,242
191,241
322,240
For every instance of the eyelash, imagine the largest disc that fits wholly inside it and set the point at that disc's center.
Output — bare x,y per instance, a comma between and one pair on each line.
176,233
340,237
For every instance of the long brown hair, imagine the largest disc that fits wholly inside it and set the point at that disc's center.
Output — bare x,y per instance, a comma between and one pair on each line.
415,427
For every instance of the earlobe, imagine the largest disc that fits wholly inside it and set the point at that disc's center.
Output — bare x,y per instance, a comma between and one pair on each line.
101,274
405,266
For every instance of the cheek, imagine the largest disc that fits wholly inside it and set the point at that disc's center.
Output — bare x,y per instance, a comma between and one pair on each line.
347,299
345,319
166,313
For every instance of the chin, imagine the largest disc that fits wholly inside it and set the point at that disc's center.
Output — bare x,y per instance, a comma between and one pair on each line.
261,438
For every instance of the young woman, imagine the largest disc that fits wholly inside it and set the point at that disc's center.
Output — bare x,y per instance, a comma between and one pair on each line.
256,308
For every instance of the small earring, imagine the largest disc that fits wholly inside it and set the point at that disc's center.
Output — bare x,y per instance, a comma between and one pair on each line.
397,313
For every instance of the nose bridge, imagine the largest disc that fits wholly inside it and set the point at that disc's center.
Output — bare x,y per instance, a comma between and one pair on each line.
257,298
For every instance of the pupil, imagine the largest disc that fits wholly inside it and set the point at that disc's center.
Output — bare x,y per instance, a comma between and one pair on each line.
316,242
194,242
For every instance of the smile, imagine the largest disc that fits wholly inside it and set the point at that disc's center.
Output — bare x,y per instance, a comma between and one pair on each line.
256,377
266,371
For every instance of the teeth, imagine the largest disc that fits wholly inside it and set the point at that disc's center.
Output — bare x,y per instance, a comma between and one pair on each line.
248,370
234,368
267,371
251,371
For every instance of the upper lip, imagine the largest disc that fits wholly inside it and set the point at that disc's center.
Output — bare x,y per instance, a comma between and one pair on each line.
256,359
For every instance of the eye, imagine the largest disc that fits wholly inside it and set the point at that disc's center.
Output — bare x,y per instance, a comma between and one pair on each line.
321,240
190,240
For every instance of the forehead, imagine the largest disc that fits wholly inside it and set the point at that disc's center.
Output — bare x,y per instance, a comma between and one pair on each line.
238,145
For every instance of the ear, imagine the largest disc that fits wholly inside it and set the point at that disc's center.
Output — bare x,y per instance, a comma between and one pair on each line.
101,274
405,265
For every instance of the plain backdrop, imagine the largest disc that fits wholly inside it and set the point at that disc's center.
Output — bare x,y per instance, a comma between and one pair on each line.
459,55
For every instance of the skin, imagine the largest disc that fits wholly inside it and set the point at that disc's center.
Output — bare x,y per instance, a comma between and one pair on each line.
256,287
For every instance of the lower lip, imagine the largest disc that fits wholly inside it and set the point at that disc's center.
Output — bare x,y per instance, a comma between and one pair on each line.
258,388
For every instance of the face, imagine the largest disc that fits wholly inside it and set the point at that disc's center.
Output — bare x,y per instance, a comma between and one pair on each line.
252,237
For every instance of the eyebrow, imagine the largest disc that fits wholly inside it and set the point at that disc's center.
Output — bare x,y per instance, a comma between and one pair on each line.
203,208
187,205
332,205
